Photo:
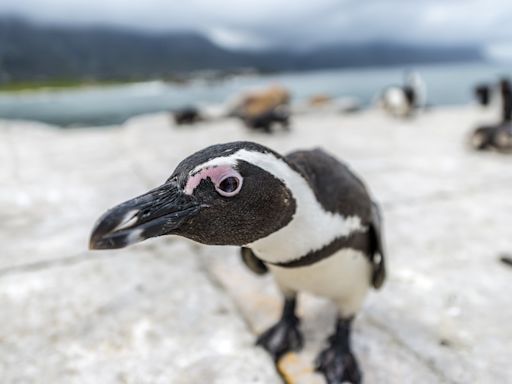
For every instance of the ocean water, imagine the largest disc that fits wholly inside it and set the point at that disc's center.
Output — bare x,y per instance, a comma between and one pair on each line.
446,85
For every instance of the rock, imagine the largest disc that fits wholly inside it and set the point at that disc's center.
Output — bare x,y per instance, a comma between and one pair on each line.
169,310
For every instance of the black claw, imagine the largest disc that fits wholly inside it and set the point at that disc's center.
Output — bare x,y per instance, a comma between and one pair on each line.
338,367
283,337
336,362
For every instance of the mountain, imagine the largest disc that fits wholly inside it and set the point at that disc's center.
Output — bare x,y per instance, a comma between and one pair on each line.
33,52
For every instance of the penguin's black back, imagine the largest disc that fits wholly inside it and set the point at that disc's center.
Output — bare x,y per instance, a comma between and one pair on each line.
335,186
340,191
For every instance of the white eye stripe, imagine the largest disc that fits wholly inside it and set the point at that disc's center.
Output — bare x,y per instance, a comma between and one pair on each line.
309,214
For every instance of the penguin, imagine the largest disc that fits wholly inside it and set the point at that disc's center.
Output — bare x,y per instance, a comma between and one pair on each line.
506,96
187,115
305,217
483,93
404,100
266,120
497,136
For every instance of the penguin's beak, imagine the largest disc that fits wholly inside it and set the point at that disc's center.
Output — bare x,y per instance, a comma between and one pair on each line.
156,213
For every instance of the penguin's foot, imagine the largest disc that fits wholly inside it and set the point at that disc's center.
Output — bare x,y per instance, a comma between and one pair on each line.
283,337
338,367
336,362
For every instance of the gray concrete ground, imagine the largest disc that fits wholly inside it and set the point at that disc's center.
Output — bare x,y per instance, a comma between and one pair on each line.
171,311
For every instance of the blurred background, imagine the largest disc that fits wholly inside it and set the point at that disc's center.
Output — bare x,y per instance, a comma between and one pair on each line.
100,62
100,100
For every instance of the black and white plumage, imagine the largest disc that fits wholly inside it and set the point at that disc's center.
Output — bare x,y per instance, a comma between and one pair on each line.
304,217
495,136
404,100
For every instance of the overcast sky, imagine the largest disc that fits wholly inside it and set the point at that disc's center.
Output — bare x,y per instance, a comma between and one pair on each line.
263,23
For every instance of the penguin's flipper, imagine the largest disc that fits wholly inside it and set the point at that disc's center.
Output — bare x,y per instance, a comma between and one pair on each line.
252,262
377,253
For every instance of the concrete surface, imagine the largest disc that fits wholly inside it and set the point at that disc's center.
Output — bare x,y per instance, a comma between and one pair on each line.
171,311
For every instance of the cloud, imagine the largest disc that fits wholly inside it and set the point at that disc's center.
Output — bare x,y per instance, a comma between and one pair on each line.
289,22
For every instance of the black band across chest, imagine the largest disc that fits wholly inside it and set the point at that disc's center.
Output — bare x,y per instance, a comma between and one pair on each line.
357,241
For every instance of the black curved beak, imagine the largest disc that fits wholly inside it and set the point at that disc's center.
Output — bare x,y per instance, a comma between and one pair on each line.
156,213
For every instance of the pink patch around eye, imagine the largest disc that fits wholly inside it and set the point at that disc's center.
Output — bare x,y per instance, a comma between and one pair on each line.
215,174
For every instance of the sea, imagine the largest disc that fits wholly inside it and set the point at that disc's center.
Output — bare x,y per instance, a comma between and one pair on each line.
447,84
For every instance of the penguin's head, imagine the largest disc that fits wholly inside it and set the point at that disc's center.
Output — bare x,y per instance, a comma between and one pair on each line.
226,194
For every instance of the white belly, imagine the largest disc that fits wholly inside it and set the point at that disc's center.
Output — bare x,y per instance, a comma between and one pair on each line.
343,277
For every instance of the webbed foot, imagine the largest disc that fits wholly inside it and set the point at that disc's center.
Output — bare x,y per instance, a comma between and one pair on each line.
338,366
337,363
284,336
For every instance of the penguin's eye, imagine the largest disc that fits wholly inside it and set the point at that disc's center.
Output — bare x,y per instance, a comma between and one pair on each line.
229,186
226,180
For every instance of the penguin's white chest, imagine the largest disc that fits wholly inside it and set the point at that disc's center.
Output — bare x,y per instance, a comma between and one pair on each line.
343,277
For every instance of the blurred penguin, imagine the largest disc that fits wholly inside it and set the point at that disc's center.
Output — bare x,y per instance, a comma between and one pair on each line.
495,136
404,101
483,94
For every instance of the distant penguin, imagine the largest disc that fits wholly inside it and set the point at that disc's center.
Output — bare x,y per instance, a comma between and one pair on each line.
187,115
262,110
506,94
305,217
266,120
404,100
483,93
497,136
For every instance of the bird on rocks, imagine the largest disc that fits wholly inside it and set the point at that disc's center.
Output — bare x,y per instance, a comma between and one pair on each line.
496,136
405,100
305,217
